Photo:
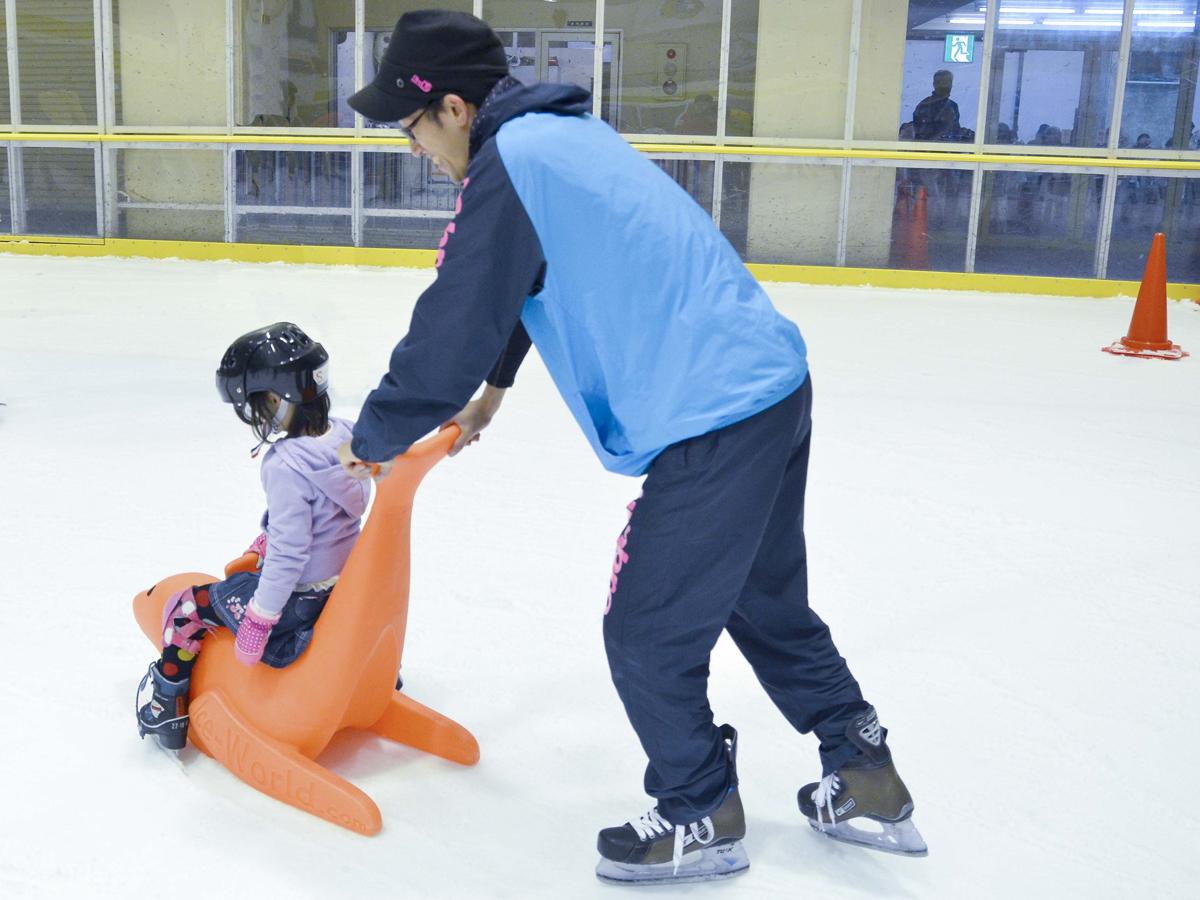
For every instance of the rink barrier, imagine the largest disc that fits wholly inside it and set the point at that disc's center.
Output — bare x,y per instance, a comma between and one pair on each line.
887,151
832,276
733,152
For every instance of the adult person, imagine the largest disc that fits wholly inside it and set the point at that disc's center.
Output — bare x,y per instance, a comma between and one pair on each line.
936,117
675,364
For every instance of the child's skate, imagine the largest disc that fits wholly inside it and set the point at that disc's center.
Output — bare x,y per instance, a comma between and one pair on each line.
651,850
162,709
867,788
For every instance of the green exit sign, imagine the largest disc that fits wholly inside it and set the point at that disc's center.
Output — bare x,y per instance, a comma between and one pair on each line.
960,48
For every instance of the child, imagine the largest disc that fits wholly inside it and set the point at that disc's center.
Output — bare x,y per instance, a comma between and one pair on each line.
276,378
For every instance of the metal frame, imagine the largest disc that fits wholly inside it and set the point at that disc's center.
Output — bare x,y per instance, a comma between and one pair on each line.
16,171
718,197
856,15
1104,241
985,85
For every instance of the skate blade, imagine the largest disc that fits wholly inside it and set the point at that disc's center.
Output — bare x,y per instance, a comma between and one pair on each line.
901,838
701,865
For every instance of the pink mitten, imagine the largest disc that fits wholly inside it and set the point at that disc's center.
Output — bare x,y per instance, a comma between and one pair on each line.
253,633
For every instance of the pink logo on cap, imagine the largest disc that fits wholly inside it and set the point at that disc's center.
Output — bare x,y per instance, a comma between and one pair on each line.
421,83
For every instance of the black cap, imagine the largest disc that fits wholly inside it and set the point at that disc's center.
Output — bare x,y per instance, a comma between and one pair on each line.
432,53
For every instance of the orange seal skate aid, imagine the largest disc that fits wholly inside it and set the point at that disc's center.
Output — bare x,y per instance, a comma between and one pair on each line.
267,725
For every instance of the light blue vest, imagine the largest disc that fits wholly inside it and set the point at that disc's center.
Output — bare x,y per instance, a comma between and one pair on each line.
649,324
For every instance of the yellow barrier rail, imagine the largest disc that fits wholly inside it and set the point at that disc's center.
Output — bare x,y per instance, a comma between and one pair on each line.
743,150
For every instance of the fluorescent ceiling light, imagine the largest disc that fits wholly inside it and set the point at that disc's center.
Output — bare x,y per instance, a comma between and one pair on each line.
1081,24
1036,10
1159,23
1007,21
966,20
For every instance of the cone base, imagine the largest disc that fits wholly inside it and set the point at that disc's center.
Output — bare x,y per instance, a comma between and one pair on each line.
1146,351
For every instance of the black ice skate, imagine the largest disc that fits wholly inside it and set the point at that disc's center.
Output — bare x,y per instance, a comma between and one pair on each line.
162,709
651,850
866,789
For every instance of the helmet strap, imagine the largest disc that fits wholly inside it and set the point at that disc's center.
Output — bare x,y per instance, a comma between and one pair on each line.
277,432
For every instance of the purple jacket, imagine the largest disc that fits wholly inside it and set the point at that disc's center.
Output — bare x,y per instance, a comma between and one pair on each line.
313,512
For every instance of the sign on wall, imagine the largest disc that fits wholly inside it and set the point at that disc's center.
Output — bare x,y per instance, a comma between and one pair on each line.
960,48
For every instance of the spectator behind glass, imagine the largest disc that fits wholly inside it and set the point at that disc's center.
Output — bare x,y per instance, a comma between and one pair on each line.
1143,142
1005,134
936,117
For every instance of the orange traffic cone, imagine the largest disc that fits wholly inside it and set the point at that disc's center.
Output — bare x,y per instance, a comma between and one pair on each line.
1148,328
918,234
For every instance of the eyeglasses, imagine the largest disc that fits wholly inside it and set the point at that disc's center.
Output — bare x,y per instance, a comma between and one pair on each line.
407,130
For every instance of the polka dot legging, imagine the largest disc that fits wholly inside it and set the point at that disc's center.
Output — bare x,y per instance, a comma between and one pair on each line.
176,663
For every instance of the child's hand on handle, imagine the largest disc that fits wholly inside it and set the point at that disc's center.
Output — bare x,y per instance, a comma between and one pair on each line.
360,469
253,633
474,417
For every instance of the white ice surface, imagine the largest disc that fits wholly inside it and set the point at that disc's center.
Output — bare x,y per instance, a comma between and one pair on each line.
1004,534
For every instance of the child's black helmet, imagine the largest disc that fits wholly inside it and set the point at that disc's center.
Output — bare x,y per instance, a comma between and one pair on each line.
279,358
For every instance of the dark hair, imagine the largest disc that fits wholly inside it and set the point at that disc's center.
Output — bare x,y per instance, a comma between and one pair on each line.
475,95
310,418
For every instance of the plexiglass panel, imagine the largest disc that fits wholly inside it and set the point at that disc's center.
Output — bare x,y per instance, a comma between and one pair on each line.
1054,71
60,191
693,175
802,69
735,204
943,63
57,63
276,187
662,65
792,213
743,68
1039,223
267,177
5,207
169,63
292,56
1146,204
908,218
172,195
406,203
1160,91
557,44
293,229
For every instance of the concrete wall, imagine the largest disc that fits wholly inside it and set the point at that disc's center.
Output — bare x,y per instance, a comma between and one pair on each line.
803,70
169,57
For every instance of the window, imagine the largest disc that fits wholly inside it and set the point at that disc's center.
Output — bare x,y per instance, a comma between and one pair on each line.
943,65
1054,74
1160,90
290,50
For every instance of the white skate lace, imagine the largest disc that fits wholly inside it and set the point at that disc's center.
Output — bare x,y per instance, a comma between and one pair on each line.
652,825
822,797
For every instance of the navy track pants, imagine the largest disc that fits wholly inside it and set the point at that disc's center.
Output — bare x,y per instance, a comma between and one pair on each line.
716,541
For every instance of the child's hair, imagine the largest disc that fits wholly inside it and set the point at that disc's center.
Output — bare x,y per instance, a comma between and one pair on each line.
311,418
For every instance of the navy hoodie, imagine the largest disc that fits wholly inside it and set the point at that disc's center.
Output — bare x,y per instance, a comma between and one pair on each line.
648,322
